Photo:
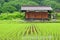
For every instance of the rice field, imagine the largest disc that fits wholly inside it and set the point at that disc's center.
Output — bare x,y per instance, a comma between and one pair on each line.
30,31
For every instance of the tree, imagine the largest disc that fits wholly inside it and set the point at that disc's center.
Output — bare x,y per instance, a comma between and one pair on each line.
8,8
15,5
38,1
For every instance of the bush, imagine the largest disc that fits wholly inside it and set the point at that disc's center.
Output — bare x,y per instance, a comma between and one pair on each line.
58,16
10,16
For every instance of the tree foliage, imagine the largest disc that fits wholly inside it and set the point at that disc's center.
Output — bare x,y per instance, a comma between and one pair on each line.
14,5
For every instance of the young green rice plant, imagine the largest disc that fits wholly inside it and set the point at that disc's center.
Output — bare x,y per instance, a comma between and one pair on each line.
30,31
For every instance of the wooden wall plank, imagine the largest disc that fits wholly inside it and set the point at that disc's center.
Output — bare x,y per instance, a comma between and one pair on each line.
37,15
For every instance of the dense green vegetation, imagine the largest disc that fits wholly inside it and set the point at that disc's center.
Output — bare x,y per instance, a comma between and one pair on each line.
58,16
11,16
30,31
14,5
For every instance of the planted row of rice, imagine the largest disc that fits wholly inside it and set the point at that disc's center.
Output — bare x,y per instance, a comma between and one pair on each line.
30,31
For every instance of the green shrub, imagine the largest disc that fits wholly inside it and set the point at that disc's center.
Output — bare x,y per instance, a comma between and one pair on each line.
58,16
10,16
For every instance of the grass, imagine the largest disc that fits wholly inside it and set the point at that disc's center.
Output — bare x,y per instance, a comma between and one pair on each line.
29,31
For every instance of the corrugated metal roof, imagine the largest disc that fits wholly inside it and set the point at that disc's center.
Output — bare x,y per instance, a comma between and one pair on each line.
36,8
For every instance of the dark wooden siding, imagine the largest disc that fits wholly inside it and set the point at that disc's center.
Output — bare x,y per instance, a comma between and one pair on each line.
37,15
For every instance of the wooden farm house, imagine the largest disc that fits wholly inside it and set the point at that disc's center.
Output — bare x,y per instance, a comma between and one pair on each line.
37,12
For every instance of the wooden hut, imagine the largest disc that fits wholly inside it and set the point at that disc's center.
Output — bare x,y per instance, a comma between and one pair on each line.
36,12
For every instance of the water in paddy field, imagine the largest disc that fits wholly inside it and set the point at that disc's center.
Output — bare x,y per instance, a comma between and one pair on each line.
34,32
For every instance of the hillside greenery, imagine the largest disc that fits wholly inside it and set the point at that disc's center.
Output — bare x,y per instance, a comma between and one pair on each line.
15,5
